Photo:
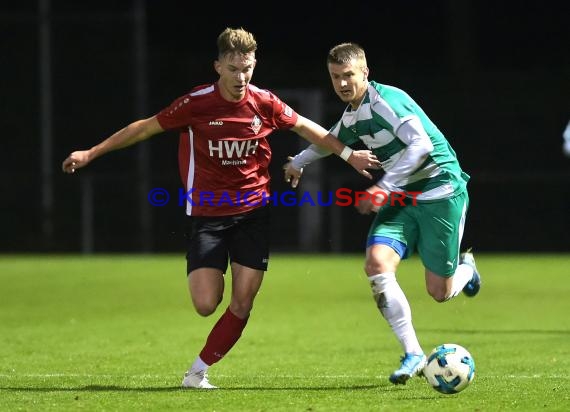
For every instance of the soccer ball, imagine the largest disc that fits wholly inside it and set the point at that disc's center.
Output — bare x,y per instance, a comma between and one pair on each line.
450,368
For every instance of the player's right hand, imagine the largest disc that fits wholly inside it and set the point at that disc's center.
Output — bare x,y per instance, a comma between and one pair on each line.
75,161
371,204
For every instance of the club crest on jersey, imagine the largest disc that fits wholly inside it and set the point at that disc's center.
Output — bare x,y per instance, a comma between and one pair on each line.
256,124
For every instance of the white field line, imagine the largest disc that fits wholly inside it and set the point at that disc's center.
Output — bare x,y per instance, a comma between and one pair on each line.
84,375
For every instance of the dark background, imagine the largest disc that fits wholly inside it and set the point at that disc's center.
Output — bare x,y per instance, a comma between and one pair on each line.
494,76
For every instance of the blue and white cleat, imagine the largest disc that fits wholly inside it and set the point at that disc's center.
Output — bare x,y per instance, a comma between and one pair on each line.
412,365
472,287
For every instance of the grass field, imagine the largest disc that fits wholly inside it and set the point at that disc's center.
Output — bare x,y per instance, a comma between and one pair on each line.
117,333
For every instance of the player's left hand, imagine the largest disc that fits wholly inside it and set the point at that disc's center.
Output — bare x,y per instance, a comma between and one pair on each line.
292,175
362,160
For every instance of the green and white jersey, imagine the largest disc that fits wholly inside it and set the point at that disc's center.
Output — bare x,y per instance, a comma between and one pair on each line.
415,155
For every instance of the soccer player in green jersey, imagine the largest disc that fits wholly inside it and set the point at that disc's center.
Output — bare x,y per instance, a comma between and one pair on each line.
417,159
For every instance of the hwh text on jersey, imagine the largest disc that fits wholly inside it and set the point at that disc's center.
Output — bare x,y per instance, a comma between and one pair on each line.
229,149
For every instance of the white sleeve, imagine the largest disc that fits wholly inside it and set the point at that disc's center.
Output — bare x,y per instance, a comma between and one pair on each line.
309,155
413,134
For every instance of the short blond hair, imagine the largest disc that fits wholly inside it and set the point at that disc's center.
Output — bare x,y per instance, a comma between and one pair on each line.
345,52
236,40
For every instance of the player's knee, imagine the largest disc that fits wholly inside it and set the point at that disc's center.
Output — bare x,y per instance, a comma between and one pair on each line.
440,298
439,294
205,308
381,263
375,266
370,268
206,304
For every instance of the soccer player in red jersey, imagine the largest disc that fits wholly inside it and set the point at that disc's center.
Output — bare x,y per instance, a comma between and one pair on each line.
223,158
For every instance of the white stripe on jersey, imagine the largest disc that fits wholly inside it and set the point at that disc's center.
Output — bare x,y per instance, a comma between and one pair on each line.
205,90
381,138
430,170
382,107
440,192
191,170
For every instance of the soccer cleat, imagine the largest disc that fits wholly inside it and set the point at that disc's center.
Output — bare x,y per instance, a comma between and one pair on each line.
197,379
412,365
472,287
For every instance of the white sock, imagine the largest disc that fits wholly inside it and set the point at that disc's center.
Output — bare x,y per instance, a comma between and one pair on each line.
462,275
199,365
395,308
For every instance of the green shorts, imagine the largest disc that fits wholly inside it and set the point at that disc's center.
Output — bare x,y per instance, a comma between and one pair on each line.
433,228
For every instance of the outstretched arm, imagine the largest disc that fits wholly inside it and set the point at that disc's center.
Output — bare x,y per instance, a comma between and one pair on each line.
316,134
135,132
294,166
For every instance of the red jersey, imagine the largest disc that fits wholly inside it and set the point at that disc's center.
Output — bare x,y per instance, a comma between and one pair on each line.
224,154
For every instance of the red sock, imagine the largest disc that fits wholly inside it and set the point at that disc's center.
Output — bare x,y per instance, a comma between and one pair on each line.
223,337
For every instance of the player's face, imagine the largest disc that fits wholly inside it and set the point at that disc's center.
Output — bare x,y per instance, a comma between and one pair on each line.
235,70
349,81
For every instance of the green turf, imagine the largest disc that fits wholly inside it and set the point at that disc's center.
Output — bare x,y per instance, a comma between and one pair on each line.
116,333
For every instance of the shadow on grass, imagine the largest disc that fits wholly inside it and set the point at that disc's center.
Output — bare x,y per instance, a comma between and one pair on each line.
114,388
